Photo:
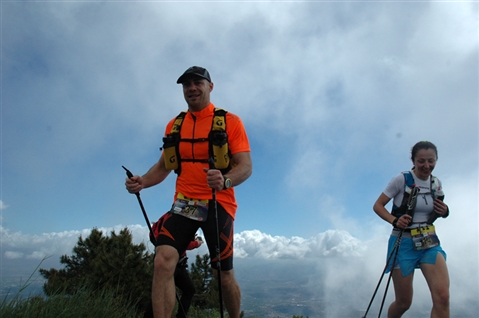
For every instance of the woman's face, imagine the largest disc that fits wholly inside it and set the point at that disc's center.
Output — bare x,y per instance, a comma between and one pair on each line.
424,163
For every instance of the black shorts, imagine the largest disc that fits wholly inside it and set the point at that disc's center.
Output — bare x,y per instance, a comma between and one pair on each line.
178,231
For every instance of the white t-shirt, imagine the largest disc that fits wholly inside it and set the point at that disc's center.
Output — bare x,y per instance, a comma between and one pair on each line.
425,201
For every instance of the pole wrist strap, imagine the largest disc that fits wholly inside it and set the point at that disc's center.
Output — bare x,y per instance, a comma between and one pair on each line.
395,222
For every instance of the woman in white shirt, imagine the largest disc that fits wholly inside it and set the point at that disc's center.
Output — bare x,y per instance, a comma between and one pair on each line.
419,246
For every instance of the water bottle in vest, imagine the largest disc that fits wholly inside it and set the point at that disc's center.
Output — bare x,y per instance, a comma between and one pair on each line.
220,150
439,194
169,148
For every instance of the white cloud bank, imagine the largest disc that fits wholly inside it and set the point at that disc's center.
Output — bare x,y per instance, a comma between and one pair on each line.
330,243
248,244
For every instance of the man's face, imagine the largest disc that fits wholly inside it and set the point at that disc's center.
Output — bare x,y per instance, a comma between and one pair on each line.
197,92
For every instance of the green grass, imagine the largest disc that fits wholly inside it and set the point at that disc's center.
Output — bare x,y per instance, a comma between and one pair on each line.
87,303
83,304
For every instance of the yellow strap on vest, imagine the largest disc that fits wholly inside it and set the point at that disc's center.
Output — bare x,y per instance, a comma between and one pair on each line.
177,125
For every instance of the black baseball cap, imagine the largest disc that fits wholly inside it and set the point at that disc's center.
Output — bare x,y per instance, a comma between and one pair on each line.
197,71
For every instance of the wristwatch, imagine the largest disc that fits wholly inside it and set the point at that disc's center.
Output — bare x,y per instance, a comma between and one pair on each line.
227,183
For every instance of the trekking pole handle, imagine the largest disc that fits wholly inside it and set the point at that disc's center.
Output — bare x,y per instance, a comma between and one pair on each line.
128,172
130,175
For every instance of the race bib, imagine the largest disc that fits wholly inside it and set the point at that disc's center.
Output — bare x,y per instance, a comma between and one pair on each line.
191,208
424,237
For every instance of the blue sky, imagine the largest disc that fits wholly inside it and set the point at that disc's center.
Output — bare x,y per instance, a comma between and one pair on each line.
333,96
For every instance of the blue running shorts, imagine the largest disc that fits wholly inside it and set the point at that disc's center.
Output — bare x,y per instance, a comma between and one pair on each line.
409,258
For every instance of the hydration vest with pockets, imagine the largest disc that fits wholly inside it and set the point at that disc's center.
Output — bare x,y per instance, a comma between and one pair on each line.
409,186
219,154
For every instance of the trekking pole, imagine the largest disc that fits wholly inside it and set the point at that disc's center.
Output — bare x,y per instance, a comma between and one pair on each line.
397,245
394,251
218,260
130,175
410,211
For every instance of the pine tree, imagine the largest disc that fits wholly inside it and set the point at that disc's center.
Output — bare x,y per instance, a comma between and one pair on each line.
100,262
206,284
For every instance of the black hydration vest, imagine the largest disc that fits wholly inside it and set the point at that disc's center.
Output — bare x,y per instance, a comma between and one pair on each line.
408,202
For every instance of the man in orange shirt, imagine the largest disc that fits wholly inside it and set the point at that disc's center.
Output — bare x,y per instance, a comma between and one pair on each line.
197,180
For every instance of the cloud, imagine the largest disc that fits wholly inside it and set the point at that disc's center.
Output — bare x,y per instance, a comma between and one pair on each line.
254,244
37,247
260,245
13,255
3,206
248,244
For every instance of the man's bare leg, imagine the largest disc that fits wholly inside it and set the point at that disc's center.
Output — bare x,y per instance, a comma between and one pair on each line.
163,291
231,292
